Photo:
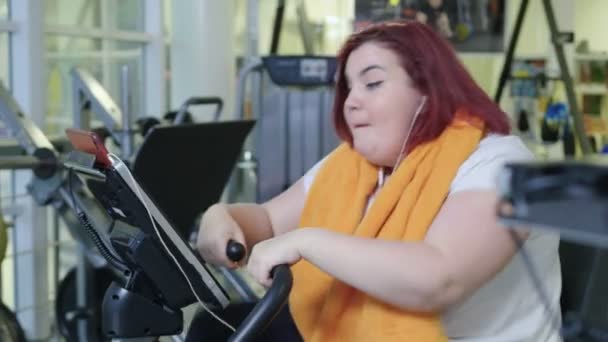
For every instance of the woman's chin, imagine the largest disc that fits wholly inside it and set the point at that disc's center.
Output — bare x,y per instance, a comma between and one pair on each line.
371,154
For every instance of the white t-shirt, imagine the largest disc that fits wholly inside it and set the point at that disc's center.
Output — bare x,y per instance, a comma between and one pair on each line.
507,308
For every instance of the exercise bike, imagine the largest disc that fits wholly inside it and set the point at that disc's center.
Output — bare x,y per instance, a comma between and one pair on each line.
157,272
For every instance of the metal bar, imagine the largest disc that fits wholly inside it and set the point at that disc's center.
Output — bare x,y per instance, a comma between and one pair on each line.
27,134
277,26
305,29
126,145
90,96
19,162
251,50
506,67
254,65
240,285
577,117
84,32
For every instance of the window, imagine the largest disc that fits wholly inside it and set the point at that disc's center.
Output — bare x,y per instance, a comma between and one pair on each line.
101,37
3,9
77,13
121,15
105,60
130,55
63,54
128,15
4,47
326,26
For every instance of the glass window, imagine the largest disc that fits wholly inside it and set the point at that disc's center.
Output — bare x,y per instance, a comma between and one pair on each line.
77,13
129,56
3,9
128,15
327,26
105,60
4,59
62,54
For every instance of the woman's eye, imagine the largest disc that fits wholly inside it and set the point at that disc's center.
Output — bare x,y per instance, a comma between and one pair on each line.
373,85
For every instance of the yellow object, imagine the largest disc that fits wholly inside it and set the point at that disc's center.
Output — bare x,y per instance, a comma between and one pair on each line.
326,309
462,32
542,104
394,2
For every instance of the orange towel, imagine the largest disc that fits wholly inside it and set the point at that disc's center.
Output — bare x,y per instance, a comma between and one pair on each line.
326,309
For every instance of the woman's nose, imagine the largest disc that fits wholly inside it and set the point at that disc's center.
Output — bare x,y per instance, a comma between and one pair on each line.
352,101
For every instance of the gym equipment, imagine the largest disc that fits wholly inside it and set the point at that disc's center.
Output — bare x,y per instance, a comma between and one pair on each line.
50,186
569,197
163,171
160,272
67,311
554,195
10,330
291,98
41,156
182,115
181,199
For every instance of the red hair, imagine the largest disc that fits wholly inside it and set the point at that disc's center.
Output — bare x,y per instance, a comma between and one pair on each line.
436,72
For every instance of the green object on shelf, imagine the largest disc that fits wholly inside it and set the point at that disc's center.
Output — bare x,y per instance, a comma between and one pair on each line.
598,71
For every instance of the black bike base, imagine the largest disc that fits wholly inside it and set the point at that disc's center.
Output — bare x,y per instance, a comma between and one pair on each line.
127,314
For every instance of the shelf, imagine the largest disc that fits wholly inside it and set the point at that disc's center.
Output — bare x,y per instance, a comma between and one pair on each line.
592,88
594,56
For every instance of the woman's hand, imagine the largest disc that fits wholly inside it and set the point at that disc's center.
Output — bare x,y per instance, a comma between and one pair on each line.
283,249
216,229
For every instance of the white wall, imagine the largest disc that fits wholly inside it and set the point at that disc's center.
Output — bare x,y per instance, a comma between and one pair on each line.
202,54
590,23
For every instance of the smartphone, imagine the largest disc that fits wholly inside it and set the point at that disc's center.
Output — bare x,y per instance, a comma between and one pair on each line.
89,142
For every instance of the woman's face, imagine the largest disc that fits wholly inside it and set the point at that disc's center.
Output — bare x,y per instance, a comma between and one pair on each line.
381,103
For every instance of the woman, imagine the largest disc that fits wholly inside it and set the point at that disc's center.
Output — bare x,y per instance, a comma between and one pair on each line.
393,236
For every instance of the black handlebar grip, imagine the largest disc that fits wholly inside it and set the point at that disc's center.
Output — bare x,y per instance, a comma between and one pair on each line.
267,308
235,251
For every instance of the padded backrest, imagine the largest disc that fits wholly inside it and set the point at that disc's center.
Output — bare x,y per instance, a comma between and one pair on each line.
295,130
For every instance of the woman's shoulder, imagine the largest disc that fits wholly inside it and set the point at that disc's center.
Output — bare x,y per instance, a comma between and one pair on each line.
480,171
501,146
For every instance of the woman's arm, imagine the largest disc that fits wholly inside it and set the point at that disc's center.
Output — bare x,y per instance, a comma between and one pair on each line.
464,248
260,222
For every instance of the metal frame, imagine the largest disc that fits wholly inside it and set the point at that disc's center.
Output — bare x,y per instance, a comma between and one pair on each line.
557,41
90,96
28,85
30,229
85,32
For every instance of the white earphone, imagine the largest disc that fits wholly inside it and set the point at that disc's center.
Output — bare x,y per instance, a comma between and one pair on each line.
409,131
